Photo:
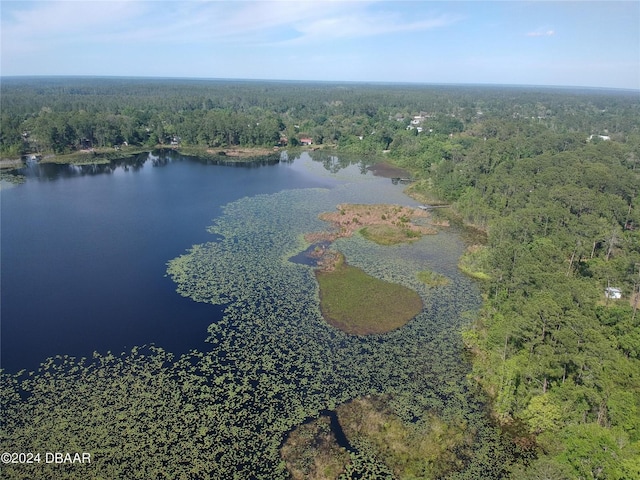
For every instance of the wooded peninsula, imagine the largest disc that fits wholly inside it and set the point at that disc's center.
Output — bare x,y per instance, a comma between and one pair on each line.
544,180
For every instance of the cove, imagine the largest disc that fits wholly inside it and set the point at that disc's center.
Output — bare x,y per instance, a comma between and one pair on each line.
84,251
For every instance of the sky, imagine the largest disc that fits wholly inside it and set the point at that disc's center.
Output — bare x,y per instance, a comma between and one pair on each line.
563,43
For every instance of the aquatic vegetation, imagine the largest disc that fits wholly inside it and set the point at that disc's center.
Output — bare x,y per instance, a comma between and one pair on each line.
432,279
366,465
421,449
311,451
273,361
10,179
360,304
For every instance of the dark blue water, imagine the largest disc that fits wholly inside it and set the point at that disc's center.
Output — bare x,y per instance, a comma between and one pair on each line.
84,252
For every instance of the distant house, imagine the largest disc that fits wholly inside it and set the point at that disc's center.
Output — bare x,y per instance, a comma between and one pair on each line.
613,293
31,158
306,141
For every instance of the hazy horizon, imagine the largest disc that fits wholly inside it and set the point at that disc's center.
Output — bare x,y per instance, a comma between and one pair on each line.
311,81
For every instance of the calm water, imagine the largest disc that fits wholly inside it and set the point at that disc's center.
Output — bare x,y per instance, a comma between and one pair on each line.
84,251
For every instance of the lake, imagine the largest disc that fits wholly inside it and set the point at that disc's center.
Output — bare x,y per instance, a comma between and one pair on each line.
85,248
84,251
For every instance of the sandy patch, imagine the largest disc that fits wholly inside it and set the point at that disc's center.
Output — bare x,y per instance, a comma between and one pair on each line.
350,218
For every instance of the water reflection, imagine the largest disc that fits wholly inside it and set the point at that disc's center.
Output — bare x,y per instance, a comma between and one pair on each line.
33,169
334,163
54,171
330,161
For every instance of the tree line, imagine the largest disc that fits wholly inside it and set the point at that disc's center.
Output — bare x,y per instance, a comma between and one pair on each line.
61,115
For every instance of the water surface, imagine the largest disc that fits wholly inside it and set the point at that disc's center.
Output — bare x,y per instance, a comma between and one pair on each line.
84,251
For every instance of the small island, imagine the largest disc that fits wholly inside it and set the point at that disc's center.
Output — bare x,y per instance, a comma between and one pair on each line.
360,304
350,299
381,223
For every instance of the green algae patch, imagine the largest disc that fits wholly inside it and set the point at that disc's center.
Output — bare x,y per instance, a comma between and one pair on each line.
360,304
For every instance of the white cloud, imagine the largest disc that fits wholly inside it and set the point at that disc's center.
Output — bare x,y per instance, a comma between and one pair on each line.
33,26
37,26
366,24
542,32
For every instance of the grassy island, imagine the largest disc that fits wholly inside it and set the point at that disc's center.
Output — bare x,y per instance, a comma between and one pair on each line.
350,299
360,304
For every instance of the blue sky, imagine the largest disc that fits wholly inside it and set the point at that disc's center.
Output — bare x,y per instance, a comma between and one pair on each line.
586,43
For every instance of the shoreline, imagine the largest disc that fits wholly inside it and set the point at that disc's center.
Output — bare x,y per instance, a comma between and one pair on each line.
106,155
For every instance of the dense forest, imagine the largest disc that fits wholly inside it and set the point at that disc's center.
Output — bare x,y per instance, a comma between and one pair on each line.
55,115
549,179
557,344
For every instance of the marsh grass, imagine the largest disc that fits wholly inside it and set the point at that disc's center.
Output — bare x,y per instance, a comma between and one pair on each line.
432,279
389,234
474,262
360,304
311,452
421,450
